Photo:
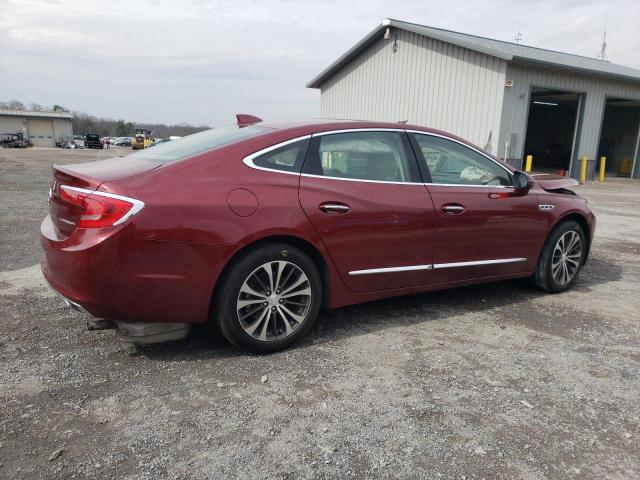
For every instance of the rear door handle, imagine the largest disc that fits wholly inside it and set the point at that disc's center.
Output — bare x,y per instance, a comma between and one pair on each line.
334,208
452,208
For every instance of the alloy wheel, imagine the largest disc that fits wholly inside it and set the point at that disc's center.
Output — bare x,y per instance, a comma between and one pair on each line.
274,301
567,254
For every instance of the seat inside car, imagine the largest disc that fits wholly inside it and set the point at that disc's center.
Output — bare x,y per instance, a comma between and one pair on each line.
382,166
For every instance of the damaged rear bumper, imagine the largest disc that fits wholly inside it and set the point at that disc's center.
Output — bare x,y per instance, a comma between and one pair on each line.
139,333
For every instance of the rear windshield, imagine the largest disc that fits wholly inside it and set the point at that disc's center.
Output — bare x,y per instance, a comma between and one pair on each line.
92,136
198,143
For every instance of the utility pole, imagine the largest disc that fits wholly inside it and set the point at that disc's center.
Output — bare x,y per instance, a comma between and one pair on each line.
603,50
518,38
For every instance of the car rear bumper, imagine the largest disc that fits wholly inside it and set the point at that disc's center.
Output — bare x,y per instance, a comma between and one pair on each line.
114,275
137,333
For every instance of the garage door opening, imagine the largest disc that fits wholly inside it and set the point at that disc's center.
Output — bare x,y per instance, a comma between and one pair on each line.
551,129
619,135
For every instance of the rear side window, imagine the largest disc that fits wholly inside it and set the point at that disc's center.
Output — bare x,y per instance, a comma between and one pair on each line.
198,143
376,156
287,158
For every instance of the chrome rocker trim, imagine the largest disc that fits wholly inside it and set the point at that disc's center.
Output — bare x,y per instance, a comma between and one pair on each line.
437,266
391,269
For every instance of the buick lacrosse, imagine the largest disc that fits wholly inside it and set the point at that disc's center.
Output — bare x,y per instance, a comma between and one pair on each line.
256,227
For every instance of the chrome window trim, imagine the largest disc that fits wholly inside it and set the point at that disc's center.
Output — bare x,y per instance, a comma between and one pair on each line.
137,204
391,269
465,185
356,130
476,263
472,149
436,266
248,160
360,180
352,130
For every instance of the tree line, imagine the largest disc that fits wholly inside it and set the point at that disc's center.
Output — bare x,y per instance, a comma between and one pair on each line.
84,123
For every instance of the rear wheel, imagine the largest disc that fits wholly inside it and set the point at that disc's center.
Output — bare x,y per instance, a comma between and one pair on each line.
269,298
562,258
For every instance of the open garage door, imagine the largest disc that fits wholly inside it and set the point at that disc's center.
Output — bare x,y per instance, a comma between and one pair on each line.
619,135
551,129
41,132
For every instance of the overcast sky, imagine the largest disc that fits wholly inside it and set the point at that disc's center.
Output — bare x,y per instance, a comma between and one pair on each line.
201,62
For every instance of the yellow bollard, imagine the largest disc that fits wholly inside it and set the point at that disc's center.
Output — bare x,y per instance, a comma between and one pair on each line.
528,164
603,162
625,168
583,170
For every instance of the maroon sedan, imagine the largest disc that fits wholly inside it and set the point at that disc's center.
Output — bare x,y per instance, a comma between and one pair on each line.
256,227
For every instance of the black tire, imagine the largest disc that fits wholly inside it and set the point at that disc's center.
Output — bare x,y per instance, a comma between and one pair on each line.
226,315
543,277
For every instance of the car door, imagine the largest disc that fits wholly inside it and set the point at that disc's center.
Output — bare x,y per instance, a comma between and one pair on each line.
484,226
361,190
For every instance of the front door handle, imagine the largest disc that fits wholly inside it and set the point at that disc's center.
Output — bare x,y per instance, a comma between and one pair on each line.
334,208
452,208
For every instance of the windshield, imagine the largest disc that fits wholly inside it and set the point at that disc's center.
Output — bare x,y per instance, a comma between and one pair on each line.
198,143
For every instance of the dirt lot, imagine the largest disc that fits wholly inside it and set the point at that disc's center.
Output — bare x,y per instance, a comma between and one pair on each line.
495,381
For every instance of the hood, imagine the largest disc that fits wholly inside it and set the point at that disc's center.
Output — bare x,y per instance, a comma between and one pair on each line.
553,182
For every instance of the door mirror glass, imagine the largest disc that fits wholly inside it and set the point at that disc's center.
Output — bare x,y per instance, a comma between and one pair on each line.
520,180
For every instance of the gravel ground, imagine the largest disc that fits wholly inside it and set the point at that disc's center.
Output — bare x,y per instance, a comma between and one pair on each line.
494,381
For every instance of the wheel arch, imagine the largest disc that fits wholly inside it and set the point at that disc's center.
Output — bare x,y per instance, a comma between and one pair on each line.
306,246
581,220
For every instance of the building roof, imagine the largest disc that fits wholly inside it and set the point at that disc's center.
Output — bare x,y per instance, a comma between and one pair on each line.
497,48
28,113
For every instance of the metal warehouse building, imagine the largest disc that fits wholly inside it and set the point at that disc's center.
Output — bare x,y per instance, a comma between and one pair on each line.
511,99
41,128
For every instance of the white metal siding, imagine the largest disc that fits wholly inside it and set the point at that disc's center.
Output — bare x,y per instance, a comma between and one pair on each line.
595,90
62,128
11,124
427,82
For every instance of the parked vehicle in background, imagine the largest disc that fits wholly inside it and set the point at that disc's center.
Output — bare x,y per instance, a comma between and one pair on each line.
256,227
66,142
92,140
13,140
141,140
122,142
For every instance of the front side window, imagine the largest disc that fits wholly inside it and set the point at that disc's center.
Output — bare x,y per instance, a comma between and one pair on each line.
451,163
377,156
287,158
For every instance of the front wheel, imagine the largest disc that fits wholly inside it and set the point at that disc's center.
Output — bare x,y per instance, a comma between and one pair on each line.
562,258
269,298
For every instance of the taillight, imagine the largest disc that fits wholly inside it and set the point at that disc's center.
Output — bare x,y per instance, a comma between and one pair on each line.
99,209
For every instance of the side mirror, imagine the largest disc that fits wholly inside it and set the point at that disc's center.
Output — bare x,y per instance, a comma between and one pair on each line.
520,180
